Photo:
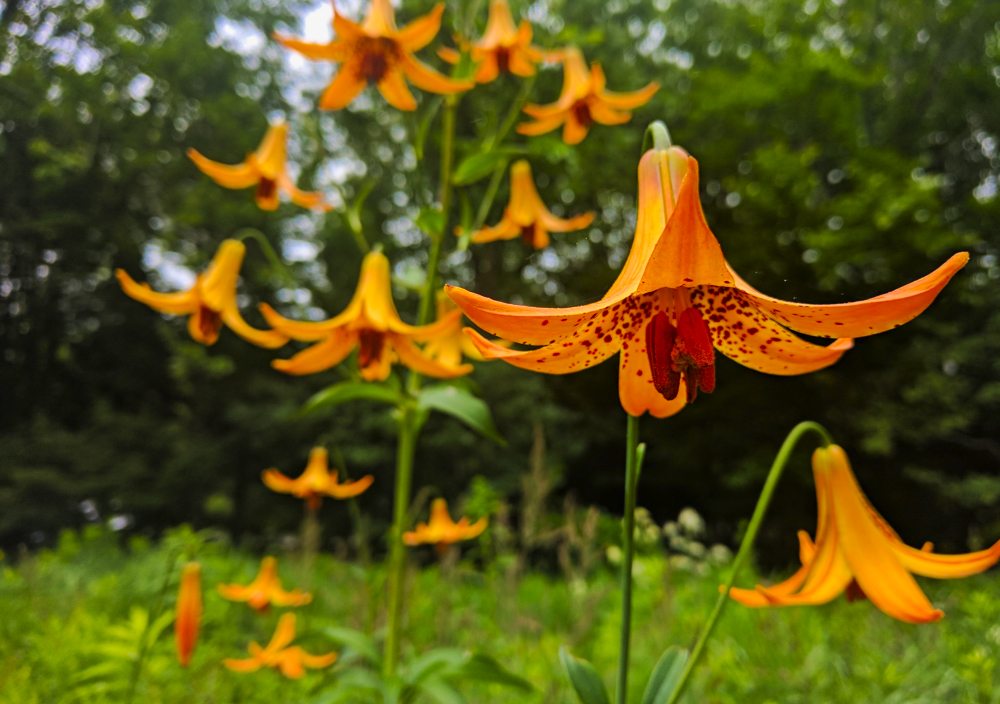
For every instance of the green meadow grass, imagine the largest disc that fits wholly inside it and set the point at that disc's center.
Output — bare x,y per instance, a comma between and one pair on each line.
72,620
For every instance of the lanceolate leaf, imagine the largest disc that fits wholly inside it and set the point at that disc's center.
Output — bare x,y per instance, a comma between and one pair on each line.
460,404
350,391
665,676
586,682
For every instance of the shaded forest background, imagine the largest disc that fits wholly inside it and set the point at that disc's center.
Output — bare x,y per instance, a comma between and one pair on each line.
845,149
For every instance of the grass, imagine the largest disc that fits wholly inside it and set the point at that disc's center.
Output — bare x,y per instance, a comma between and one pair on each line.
72,622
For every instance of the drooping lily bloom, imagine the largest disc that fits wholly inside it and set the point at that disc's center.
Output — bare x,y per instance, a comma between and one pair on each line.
265,589
210,303
503,48
377,52
265,168
440,531
316,482
857,551
371,323
290,660
583,101
188,618
526,215
452,345
676,299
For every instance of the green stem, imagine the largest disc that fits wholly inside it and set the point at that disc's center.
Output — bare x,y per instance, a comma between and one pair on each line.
250,233
397,551
445,194
658,135
746,546
144,645
515,111
633,463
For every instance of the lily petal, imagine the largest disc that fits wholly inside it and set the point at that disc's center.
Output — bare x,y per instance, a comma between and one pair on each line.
426,78
331,51
306,199
269,339
421,31
860,318
394,89
343,89
746,335
319,357
241,175
418,362
564,356
173,303
635,385
868,551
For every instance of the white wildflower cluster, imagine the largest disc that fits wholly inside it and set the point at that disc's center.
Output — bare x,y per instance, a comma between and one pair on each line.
686,544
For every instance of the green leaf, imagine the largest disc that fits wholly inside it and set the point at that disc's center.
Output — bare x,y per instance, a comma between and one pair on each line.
441,692
586,682
350,391
482,164
430,219
665,675
432,663
461,404
483,668
356,641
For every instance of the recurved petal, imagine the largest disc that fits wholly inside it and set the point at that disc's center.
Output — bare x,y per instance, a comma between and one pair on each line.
487,69
568,354
541,125
293,597
553,223
272,152
269,339
320,356
416,360
348,490
629,100
173,303
305,199
394,89
276,481
304,331
506,229
746,335
528,324
245,665
606,115
574,131
242,175
635,384
330,51
868,551
426,78
421,31
343,89
860,318
930,564
318,661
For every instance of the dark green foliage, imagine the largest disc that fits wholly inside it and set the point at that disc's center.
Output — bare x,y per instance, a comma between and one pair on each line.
845,149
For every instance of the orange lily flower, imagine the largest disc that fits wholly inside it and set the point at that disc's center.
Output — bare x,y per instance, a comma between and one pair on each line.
452,345
211,302
290,660
441,531
371,323
316,481
503,48
377,52
265,168
526,215
857,551
265,589
188,612
583,101
676,298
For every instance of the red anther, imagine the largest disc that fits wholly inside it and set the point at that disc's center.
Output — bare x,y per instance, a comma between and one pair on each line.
660,338
370,347
266,188
694,355
685,350
209,322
